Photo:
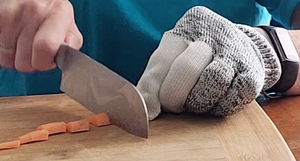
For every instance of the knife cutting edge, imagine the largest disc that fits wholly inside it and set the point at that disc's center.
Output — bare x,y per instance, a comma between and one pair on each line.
99,89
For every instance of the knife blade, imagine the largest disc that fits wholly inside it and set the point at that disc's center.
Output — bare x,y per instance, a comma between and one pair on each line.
100,89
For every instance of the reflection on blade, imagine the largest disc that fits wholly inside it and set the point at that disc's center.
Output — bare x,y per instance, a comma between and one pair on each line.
100,90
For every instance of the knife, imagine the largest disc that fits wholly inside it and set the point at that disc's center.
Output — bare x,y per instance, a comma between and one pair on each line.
99,89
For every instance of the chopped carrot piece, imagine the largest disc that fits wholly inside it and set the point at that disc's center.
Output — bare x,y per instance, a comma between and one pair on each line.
38,135
78,126
100,119
10,145
54,128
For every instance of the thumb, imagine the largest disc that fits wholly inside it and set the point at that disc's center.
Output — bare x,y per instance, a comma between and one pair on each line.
74,38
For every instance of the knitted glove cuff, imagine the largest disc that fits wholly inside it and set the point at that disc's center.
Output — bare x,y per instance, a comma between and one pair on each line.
270,58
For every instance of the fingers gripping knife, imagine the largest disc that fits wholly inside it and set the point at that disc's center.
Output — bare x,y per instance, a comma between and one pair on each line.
99,89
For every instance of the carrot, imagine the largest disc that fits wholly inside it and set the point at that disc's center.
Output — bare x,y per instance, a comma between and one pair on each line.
54,128
78,126
100,119
38,135
10,145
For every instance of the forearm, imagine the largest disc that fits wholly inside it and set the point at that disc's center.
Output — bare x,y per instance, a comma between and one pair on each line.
295,20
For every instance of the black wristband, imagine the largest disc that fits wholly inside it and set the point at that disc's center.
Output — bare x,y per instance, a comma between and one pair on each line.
287,55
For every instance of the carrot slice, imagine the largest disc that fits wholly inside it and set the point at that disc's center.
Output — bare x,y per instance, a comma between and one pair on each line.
78,126
100,119
54,128
38,135
10,145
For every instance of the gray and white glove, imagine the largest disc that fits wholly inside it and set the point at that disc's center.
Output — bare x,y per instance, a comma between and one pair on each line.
207,64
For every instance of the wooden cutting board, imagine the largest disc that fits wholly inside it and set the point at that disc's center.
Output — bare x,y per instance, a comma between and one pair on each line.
249,135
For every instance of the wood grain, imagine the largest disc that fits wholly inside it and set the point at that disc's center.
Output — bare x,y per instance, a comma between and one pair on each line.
285,113
249,135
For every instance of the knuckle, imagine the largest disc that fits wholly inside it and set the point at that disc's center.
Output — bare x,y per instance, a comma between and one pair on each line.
59,3
63,5
44,46
33,7
6,13
74,37
79,40
44,51
36,6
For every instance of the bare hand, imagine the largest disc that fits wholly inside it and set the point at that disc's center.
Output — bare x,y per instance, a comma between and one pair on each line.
31,32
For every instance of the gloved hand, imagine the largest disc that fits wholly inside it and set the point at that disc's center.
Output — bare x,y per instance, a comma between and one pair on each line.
207,64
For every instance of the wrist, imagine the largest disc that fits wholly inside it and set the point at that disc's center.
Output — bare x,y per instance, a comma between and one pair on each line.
295,37
265,34
269,58
273,68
